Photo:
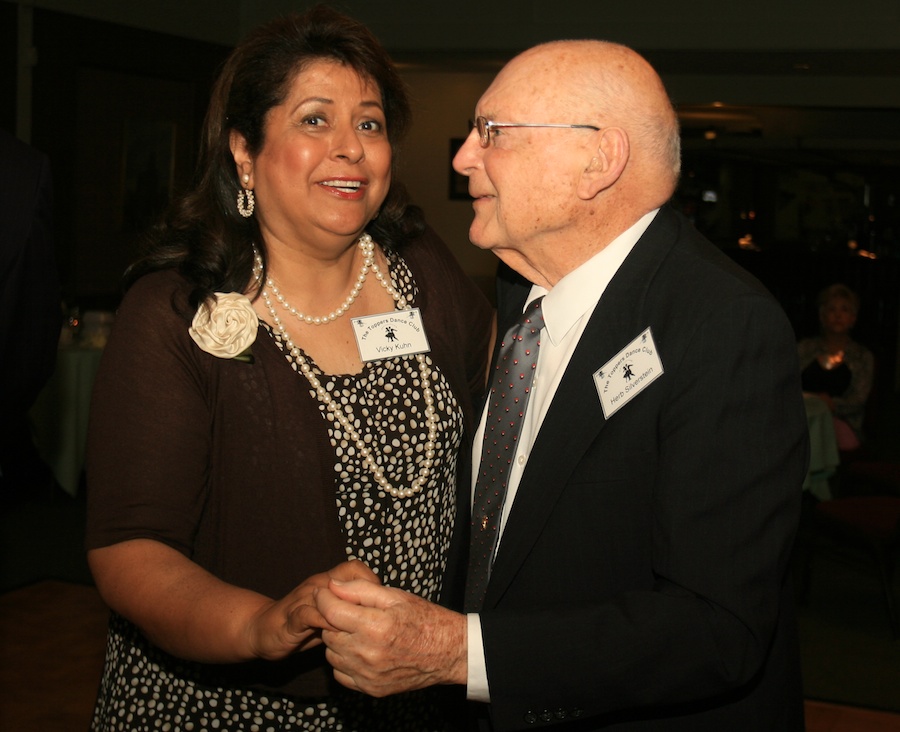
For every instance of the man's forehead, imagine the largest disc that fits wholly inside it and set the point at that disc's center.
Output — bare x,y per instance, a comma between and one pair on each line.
510,93
553,72
518,100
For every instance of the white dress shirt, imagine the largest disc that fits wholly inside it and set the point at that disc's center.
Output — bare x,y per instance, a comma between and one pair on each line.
566,308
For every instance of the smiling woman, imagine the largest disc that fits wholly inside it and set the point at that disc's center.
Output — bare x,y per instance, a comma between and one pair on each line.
324,168
244,446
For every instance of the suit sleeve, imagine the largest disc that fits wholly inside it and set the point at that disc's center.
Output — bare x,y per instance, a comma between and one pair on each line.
30,307
710,548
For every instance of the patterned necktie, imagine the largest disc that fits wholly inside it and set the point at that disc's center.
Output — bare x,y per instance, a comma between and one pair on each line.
508,400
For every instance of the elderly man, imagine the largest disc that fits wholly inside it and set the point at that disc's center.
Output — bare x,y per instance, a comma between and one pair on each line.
631,536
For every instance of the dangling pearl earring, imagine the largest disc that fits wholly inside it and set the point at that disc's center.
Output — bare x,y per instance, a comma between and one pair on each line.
245,200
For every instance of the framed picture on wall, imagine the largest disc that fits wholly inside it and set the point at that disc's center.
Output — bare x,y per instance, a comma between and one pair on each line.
459,184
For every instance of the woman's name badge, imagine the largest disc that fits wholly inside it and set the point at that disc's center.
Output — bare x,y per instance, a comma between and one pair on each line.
398,333
628,373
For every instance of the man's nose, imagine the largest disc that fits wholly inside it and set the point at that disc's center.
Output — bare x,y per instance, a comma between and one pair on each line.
468,156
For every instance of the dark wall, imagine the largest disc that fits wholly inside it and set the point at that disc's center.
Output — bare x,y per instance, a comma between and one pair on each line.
118,112
799,200
8,66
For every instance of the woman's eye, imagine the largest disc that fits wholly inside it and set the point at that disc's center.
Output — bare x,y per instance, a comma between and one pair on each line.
371,125
314,120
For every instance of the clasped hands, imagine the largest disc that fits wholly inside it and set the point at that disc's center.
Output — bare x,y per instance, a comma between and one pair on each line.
381,640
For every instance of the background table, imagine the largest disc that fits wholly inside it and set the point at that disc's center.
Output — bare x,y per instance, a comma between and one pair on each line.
59,417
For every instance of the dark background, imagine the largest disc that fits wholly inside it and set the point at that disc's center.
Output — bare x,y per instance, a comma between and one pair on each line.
806,187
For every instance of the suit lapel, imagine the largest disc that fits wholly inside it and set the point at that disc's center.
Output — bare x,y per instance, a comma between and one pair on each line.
575,417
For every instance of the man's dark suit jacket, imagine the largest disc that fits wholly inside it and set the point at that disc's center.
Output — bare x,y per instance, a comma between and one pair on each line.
642,579
30,308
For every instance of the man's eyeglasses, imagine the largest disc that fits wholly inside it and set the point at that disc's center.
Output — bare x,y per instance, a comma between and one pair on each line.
484,127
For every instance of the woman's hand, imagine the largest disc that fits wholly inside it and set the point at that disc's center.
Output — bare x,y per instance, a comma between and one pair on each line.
294,622
194,615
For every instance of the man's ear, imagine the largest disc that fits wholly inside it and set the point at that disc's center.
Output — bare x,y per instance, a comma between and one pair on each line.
607,165
241,154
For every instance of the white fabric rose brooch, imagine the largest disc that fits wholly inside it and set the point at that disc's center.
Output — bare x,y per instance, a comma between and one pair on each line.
226,327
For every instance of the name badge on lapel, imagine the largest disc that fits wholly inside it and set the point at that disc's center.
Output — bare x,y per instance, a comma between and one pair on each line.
628,373
398,333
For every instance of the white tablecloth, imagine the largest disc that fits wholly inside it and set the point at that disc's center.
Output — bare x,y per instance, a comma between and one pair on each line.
59,417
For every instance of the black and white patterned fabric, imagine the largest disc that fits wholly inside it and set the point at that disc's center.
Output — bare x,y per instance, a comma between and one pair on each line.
404,541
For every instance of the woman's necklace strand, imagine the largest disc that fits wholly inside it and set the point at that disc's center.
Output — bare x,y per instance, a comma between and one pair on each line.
333,407
367,247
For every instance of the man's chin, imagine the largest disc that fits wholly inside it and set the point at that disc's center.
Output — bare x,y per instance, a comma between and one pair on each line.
478,238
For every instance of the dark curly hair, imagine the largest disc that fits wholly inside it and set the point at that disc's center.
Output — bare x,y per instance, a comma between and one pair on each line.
202,234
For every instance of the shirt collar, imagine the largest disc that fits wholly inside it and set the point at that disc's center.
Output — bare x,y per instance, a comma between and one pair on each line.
578,293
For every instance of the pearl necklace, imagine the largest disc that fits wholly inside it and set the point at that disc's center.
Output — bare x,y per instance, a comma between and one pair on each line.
367,247
334,410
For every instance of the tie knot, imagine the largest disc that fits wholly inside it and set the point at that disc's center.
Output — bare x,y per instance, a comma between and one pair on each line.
532,315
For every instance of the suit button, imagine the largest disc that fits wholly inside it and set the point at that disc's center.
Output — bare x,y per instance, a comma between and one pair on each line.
560,713
546,715
530,717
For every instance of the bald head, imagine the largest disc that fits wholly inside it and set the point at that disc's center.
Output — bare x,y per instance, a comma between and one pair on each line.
615,87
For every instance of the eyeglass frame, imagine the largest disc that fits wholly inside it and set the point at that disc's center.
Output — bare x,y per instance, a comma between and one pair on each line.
484,127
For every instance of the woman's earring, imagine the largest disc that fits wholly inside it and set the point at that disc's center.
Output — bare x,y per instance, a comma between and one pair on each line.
245,201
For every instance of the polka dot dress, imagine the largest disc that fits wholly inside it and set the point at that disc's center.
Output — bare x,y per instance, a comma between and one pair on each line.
146,690
403,540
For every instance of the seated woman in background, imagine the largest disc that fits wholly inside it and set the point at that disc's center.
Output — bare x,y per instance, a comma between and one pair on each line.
835,367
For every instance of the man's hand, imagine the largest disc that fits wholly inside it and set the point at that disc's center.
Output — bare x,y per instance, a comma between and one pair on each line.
293,623
385,640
